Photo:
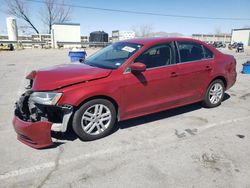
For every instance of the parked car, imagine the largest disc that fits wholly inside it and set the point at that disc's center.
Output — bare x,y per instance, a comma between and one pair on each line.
9,47
219,45
124,80
233,45
240,47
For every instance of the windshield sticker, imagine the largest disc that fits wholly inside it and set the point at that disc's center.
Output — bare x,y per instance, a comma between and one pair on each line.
117,64
128,49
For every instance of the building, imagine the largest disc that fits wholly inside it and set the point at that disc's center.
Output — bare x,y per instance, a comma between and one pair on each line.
31,41
165,34
41,37
67,34
226,38
98,36
241,35
30,38
84,39
4,37
118,35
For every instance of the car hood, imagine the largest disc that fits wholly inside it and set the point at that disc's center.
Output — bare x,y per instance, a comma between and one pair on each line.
67,74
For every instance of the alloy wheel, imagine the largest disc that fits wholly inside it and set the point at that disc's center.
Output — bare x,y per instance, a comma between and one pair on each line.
216,93
96,119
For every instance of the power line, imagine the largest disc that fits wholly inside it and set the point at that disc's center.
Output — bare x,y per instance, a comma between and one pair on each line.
145,13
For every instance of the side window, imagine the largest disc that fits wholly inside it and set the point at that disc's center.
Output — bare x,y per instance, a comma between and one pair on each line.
156,56
190,51
207,53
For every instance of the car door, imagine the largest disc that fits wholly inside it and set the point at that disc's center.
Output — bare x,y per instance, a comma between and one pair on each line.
194,70
157,87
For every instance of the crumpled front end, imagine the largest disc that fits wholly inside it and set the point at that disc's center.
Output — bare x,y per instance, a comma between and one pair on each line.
33,122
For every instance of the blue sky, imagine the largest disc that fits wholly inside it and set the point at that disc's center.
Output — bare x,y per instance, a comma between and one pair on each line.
92,20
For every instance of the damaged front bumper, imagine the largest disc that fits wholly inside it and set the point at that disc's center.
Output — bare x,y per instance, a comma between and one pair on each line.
34,134
33,122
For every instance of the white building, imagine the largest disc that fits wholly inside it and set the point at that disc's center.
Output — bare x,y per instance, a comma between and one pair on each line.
68,33
241,35
226,38
118,35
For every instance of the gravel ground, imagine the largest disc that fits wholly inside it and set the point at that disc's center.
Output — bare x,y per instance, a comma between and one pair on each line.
185,147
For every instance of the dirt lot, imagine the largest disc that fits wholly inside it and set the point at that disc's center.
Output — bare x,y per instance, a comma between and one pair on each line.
185,147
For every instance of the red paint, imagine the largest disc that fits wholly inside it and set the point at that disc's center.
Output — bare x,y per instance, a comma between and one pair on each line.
156,89
31,75
137,66
66,74
135,94
39,133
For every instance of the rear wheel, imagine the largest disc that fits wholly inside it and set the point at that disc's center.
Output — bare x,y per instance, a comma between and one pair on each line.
94,119
214,94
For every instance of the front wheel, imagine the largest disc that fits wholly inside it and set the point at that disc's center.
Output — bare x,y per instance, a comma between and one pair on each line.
214,94
94,119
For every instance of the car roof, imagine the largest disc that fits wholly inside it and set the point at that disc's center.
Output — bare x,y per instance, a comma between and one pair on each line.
155,40
149,41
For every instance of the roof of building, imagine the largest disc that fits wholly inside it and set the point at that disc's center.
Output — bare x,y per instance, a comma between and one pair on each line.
211,35
65,24
98,32
241,29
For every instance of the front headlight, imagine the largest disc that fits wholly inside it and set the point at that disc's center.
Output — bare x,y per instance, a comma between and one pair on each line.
47,98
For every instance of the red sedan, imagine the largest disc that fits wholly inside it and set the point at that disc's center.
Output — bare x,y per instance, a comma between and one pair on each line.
124,80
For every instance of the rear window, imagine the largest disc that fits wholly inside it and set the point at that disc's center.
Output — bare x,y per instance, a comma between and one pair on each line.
207,53
190,51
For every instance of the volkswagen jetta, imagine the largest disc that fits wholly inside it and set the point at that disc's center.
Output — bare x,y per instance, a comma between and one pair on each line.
124,80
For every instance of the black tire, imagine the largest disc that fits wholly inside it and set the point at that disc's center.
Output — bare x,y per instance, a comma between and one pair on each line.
207,100
79,124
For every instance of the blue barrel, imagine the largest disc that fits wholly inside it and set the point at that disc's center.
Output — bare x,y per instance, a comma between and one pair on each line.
77,56
246,68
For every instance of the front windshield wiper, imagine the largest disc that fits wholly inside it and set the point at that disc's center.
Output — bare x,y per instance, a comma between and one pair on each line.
85,62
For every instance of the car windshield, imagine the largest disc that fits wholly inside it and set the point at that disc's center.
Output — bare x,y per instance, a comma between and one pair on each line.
113,56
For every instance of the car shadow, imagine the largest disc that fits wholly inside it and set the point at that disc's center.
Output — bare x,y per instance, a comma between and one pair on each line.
141,78
68,135
54,145
226,97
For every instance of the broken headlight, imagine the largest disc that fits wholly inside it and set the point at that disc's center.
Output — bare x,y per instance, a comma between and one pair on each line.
46,98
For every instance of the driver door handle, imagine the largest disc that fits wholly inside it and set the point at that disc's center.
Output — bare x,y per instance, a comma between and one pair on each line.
173,74
208,67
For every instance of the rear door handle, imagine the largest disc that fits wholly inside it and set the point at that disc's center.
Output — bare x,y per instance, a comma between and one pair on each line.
208,67
174,74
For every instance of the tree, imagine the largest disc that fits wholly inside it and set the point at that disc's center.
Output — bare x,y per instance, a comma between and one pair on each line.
53,12
19,9
142,30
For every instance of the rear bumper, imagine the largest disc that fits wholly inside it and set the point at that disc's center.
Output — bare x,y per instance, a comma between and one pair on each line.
232,80
34,134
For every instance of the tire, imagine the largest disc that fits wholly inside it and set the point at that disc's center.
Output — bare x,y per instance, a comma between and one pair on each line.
94,119
214,94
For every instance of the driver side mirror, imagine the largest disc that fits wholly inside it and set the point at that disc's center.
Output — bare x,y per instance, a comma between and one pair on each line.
138,67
